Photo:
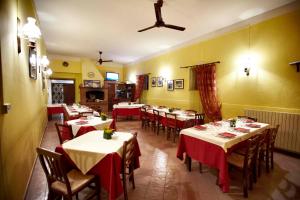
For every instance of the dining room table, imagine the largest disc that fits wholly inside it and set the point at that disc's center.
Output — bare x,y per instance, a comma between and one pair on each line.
184,118
83,125
92,154
211,143
126,109
74,111
54,109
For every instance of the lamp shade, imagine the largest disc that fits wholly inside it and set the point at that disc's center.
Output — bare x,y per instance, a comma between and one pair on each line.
44,61
30,30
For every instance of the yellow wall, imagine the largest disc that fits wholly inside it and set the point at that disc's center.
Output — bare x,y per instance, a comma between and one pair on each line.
22,128
272,85
79,68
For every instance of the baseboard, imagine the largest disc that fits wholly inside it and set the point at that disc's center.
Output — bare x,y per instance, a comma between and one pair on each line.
287,152
35,160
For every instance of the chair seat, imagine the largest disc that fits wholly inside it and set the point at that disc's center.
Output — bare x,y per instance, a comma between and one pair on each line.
236,160
77,181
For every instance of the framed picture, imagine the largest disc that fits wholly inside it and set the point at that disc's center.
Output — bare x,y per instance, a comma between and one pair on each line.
159,81
179,84
32,62
153,81
91,83
170,85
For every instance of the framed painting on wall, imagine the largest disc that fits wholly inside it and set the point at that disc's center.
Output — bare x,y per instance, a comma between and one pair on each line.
92,83
170,85
159,82
32,58
153,81
179,84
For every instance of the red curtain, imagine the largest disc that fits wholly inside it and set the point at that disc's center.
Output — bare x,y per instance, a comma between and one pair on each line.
206,83
140,85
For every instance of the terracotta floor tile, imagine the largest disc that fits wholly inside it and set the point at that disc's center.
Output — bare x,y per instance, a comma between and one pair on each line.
163,176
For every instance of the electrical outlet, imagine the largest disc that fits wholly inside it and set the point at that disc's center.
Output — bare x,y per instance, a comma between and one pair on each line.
6,107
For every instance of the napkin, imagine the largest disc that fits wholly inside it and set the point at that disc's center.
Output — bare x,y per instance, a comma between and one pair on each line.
227,135
243,130
199,127
82,122
253,125
216,123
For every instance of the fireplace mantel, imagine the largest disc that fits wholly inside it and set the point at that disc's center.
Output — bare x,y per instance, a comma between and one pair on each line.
96,98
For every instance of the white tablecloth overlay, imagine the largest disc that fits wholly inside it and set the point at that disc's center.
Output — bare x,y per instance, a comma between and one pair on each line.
211,134
77,109
88,149
181,114
94,121
126,105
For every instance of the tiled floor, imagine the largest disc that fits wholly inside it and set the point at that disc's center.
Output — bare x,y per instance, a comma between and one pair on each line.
163,176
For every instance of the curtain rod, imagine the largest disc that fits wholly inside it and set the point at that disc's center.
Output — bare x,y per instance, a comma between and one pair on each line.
201,64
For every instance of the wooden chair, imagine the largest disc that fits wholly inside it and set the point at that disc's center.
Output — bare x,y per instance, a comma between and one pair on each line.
191,111
171,125
199,118
144,117
268,150
127,169
246,162
64,132
85,114
62,182
246,117
157,119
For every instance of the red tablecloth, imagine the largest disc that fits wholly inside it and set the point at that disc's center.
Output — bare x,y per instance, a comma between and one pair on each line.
55,110
180,124
125,112
206,153
108,170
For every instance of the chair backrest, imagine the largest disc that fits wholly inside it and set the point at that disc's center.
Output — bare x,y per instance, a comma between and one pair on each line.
247,117
129,152
273,135
64,132
85,114
199,118
66,115
156,115
143,112
191,111
52,164
251,151
171,120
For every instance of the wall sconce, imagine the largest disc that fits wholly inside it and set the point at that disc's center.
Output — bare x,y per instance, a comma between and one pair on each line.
44,64
31,31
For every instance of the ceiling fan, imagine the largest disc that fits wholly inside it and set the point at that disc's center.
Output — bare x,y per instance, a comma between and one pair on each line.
100,61
159,21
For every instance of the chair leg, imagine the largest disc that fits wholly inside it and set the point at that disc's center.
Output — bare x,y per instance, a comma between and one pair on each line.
124,186
157,130
272,159
188,163
267,160
132,178
245,184
200,167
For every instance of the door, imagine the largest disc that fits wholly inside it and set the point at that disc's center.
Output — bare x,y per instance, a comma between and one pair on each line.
69,93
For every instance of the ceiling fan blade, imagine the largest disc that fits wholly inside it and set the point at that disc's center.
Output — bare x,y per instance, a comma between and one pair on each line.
107,60
157,7
179,28
146,28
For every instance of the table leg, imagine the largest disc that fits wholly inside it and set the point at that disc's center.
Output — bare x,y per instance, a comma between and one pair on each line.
188,162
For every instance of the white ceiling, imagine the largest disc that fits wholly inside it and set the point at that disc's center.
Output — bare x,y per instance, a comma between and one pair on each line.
80,28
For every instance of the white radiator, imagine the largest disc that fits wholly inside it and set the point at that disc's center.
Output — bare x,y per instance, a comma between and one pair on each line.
288,137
